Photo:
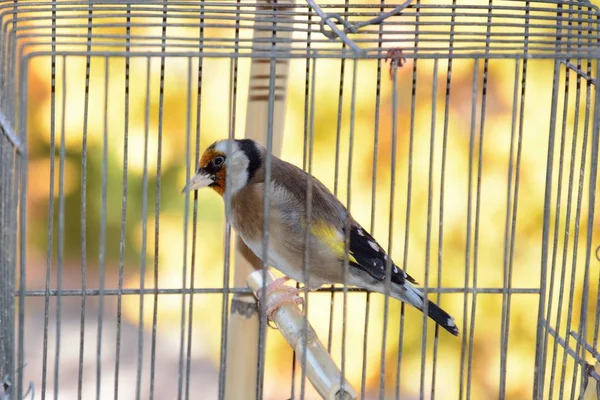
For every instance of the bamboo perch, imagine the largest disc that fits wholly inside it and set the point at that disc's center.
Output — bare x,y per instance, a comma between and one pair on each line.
242,335
321,371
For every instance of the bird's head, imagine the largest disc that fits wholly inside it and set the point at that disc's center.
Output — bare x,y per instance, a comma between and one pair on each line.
240,159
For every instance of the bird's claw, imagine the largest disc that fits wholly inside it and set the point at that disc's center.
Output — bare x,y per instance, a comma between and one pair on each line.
288,298
286,295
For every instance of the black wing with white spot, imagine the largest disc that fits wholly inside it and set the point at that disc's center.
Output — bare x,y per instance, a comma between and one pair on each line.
371,258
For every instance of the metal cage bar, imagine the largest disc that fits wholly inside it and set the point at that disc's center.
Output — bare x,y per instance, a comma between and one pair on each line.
132,55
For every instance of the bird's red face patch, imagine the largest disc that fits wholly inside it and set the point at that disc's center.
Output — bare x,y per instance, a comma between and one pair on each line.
212,161
208,156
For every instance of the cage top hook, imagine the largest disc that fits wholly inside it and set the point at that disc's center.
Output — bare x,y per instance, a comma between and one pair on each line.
333,19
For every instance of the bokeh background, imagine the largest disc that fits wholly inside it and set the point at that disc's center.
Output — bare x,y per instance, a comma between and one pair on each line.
168,139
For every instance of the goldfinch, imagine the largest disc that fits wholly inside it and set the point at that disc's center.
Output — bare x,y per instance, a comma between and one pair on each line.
287,224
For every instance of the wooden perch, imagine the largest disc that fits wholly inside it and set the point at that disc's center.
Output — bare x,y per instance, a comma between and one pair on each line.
320,369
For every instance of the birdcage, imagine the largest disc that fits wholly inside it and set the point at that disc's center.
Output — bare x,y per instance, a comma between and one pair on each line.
462,134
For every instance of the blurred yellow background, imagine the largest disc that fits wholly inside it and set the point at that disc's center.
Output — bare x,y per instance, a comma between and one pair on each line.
449,260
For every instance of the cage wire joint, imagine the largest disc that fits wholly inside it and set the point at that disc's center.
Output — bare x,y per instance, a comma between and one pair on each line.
591,387
332,19
5,392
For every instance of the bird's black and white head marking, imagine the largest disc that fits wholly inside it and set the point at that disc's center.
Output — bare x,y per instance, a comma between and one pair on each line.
254,159
241,163
227,164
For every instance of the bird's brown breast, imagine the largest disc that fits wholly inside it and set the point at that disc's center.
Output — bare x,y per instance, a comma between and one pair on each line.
246,209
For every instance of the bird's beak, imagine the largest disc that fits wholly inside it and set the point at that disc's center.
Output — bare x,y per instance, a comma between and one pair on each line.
198,181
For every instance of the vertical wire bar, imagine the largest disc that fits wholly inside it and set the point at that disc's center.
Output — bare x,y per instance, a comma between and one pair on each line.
508,269
233,81
388,266
161,110
22,171
597,122
430,196
347,230
61,229
15,184
413,107
571,305
557,223
311,138
567,229
49,244
467,358
227,261
538,380
265,234
478,197
13,56
442,188
363,378
8,278
477,220
144,246
8,204
262,334
338,139
510,229
579,359
83,206
597,319
8,211
463,347
15,246
123,207
186,212
308,101
581,342
195,207
102,238
582,329
7,281
4,80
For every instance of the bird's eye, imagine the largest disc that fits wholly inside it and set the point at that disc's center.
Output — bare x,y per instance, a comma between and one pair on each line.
218,161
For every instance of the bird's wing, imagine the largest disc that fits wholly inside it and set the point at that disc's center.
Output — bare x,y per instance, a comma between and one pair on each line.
328,224
364,251
371,258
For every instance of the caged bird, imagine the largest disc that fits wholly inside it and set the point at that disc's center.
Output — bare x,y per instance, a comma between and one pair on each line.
329,220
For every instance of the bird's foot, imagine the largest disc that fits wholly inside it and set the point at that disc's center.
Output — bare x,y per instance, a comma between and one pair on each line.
276,284
290,297
396,59
285,295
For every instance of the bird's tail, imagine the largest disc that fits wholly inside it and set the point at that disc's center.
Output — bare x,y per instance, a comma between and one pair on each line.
410,294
